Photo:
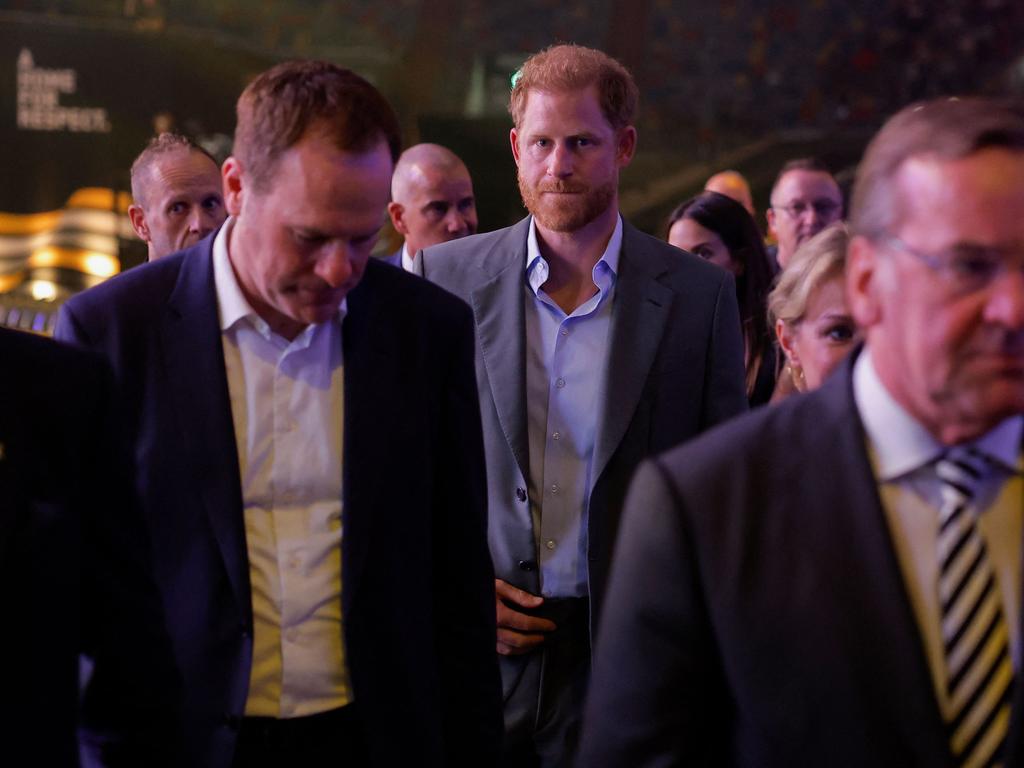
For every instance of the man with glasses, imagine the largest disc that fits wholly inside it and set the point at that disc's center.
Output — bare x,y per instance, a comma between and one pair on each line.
805,199
839,578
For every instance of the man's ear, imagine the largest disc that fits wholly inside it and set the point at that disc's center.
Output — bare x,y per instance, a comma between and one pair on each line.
513,137
769,216
626,145
137,216
395,211
234,185
863,281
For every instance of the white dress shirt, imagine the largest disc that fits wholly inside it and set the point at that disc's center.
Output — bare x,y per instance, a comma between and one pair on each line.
409,261
566,362
286,403
902,452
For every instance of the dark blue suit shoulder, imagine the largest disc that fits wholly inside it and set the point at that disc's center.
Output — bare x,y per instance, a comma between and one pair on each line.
141,289
409,294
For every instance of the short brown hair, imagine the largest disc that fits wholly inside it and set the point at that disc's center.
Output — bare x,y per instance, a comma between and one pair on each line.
158,146
810,164
945,129
571,67
283,104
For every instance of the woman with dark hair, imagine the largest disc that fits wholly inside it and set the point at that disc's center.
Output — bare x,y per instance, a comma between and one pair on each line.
721,230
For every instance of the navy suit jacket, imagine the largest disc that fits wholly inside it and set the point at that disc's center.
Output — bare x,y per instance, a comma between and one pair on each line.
417,589
75,572
757,613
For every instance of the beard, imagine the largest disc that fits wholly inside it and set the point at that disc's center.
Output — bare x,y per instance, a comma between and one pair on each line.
566,212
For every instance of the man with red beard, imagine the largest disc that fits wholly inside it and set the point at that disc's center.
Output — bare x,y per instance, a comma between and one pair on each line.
598,346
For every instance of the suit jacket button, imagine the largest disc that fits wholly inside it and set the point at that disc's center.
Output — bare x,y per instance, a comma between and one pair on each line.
527,565
521,494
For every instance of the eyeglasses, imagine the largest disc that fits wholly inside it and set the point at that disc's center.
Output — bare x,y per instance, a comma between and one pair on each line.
825,209
964,269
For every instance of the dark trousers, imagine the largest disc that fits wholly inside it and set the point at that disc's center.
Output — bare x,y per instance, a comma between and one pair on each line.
544,713
331,738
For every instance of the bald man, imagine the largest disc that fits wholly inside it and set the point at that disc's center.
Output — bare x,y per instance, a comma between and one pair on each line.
732,184
431,201
177,194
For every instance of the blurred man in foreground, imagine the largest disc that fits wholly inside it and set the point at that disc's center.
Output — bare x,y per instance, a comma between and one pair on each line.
836,580
75,565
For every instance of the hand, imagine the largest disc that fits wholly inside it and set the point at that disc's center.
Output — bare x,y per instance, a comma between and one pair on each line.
518,633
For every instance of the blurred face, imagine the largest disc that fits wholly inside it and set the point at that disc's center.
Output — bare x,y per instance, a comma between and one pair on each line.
181,202
944,305
732,184
300,246
569,158
803,204
818,342
440,207
691,236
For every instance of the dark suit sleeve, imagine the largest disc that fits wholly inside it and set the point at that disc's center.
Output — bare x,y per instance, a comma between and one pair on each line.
68,329
465,600
130,707
725,393
656,695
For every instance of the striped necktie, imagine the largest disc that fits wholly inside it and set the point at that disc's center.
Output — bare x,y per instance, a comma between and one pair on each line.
979,670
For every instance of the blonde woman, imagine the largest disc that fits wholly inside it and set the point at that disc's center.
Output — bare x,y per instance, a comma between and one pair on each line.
808,310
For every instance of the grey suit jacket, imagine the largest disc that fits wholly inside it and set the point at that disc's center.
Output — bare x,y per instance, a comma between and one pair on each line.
675,368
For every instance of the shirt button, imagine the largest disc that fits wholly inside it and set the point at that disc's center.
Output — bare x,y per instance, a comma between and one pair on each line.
294,562
559,382
565,331
556,436
554,487
550,543
291,635
521,494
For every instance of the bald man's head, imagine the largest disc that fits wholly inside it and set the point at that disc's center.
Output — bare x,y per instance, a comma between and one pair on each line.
431,197
177,196
732,184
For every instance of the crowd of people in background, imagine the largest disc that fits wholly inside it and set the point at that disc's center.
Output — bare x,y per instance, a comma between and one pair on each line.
539,496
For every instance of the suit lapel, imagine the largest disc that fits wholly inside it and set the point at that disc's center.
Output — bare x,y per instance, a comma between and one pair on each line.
372,389
501,330
861,560
642,307
194,365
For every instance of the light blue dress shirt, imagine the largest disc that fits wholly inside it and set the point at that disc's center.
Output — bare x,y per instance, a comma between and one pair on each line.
566,361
